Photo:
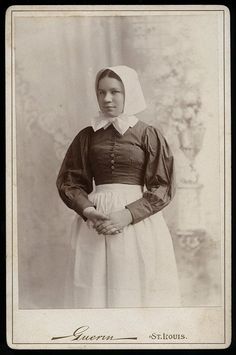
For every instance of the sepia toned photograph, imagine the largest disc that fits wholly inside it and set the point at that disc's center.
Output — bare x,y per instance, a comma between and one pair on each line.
118,127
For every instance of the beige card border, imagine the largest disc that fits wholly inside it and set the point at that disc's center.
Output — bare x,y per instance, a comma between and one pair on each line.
30,319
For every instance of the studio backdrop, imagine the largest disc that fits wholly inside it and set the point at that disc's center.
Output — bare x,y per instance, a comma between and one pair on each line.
179,64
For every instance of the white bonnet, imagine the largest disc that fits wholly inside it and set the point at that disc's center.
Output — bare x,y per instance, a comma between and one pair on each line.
134,99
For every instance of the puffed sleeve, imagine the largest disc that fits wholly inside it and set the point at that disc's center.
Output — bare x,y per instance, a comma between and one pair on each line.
159,177
74,180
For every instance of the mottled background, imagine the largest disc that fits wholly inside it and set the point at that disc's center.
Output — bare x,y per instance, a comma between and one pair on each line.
178,59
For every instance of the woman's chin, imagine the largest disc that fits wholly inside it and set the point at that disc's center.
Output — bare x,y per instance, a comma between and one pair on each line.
110,114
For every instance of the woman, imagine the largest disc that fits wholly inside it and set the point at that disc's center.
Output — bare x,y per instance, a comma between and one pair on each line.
123,253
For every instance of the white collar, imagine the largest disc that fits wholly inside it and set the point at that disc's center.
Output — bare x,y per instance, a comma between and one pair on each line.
121,123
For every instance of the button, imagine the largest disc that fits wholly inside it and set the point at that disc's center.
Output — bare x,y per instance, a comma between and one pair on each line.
112,155
112,161
112,167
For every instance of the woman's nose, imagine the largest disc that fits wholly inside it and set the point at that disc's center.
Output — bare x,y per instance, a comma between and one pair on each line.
107,97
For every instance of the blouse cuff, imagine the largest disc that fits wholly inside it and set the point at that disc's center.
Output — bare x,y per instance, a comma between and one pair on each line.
140,209
80,204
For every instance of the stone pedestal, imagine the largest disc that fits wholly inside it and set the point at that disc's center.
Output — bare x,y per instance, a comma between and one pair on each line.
190,229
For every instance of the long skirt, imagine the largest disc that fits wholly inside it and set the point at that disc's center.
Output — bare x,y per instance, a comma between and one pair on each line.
135,268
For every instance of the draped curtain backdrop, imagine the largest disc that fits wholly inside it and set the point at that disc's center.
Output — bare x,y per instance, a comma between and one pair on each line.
56,60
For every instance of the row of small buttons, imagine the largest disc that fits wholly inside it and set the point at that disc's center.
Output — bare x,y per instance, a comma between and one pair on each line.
112,154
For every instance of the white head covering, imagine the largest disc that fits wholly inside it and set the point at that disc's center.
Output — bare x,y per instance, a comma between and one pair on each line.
134,101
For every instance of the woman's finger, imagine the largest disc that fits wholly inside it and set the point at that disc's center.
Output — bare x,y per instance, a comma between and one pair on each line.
113,229
100,222
104,225
97,223
116,231
102,230
105,230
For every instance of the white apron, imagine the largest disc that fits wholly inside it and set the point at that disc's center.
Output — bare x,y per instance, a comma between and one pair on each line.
135,268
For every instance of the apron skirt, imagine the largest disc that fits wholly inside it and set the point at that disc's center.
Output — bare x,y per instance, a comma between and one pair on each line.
135,268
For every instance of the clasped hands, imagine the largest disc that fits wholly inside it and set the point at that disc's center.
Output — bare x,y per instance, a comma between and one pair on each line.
110,224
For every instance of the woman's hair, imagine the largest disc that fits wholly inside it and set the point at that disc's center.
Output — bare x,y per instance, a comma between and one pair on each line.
110,74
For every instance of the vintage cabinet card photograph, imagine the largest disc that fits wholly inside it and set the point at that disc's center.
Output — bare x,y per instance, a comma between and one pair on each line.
118,177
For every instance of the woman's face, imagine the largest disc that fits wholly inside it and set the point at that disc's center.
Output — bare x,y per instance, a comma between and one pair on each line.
111,96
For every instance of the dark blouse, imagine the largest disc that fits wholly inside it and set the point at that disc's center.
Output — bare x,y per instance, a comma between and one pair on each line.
139,157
